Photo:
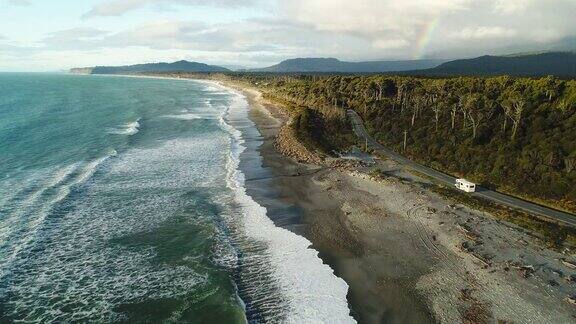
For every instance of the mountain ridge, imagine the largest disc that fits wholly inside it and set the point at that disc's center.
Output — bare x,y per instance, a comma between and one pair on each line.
561,64
535,64
334,65
178,66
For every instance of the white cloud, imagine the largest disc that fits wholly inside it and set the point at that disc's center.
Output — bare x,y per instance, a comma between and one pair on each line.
116,8
387,24
75,38
256,36
120,7
544,34
171,34
77,33
484,32
511,6
351,30
447,28
390,43
21,3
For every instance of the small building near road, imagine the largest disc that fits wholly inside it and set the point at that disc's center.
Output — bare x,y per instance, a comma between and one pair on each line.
465,185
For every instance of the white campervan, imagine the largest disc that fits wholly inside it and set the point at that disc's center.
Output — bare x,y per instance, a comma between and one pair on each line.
465,185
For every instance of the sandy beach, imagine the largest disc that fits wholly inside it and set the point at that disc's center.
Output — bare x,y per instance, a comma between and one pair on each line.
408,254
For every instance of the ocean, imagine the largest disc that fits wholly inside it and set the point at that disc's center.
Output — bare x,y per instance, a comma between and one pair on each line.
123,200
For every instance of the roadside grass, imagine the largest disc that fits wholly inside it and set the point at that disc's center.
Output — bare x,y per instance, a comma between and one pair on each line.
551,234
562,205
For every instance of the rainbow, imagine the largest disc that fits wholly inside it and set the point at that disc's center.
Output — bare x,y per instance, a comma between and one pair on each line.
425,36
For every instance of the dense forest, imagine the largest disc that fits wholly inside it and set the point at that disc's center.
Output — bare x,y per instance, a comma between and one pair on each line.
517,135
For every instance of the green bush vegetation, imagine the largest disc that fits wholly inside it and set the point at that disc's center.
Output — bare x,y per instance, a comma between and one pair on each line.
516,135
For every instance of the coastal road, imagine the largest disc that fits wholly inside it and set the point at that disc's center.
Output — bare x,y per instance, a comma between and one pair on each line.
549,213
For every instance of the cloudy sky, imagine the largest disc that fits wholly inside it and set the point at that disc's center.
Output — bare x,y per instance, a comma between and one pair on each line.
41,35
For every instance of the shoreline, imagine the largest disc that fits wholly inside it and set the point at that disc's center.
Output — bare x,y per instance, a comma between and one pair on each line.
258,206
311,290
408,254
296,183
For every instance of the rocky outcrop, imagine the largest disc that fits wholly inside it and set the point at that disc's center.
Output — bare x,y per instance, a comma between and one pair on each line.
287,143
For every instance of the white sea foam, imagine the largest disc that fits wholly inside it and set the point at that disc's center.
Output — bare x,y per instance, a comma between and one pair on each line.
215,88
313,291
129,129
32,212
77,261
208,103
72,263
187,116
84,175
28,203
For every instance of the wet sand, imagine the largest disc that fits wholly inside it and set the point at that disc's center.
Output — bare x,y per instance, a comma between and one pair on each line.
407,254
381,289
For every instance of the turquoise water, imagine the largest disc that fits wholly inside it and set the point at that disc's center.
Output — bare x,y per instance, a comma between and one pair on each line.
121,200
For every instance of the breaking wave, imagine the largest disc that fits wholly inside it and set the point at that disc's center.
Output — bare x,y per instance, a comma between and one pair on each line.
29,216
129,129
311,289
